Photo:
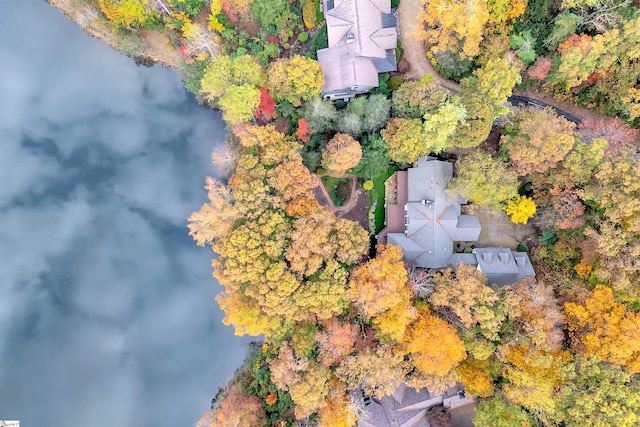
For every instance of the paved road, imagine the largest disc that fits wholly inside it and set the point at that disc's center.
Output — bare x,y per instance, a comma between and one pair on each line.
523,101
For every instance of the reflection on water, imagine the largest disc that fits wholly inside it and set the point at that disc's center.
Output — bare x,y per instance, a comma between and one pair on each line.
107,315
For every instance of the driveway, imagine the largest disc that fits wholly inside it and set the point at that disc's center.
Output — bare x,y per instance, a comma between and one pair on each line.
414,50
499,231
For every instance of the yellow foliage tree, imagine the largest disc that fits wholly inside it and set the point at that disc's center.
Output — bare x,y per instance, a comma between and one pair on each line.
126,13
433,344
404,139
475,376
605,328
295,79
467,296
493,82
309,13
453,25
541,139
534,377
273,146
337,411
380,284
320,237
214,23
292,179
233,82
520,209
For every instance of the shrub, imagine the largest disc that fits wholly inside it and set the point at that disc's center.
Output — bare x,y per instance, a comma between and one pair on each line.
395,82
309,16
368,185
320,40
520,209
303,37
548,237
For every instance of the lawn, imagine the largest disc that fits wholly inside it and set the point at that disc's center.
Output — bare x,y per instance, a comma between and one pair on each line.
378,195
339,189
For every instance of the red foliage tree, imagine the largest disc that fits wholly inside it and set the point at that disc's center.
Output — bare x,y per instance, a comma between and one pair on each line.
540,69
303,130
612,129
582,41
266,108
569,209
229,9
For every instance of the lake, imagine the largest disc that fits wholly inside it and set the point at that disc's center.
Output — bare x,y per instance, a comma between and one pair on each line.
107,311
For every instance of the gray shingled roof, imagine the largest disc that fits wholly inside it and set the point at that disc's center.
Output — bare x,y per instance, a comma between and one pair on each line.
406,407
433,219
503,266
371,28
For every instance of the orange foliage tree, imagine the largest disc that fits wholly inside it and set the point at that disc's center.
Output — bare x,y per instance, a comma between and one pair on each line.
467,297
320,237
605,328
236,409
337,340
475,376
433,344
341,154
541,140
381,283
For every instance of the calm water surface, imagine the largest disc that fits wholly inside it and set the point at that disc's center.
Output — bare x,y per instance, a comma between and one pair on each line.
107,315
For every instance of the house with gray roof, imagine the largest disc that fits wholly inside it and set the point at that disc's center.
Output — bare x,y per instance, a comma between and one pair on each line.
408,407
432,220
362,41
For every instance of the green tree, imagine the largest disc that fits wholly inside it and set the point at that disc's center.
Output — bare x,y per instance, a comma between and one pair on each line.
524,45
349,122
493,82
597,393
375,112
274,12
441,124
564,25
233,82
484,180
375,157
414,99
496,412
321,114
